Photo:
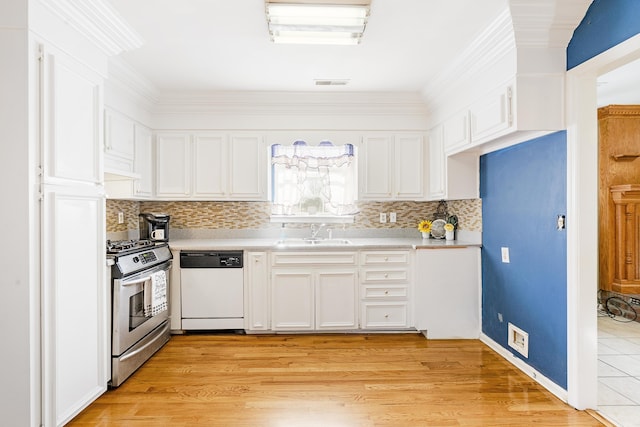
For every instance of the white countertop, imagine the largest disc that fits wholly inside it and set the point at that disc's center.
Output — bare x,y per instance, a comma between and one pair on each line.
355,244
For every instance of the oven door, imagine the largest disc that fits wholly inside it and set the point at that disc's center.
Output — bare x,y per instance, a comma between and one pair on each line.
129,322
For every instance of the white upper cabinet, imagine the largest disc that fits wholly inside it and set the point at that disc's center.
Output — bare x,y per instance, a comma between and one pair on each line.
437,165
453,176
248,167
376,165
72,120
455,132
143,162
119,137
514,111
173,163
392,167
210,166
409,167
492,114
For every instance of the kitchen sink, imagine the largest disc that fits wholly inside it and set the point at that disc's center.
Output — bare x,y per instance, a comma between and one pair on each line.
306,242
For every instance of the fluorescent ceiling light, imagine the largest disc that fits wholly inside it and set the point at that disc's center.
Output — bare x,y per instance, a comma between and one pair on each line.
316,23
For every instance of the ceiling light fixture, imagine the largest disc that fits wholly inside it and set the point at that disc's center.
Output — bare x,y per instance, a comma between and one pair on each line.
323,23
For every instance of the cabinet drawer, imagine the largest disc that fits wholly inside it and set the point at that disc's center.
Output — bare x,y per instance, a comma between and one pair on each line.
384,258
385,315
384,292
385,276
313,258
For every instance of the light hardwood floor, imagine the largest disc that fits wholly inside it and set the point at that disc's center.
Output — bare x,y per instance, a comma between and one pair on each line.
328,381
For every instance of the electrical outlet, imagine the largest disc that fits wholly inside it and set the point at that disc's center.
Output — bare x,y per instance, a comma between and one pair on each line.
120,217
635,301
392,217
505,254
383,217
500,319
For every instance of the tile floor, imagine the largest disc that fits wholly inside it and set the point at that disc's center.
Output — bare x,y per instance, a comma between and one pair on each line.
619,371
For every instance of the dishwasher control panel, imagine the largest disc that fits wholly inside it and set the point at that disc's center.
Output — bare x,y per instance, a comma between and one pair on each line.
211,259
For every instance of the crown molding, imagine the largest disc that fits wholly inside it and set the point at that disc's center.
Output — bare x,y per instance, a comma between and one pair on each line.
293,103
127,78
491,45
546,23
524,26
99,22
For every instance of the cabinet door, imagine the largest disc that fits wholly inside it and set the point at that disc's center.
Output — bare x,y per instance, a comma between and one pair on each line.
491,115
336,299
257,292
437,165
210,166
143,162
119,134
292,300
71,120
409,162
75,341
455,132
376,160
248,168
172,165
442,276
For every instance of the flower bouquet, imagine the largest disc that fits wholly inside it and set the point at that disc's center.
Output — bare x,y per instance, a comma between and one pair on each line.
425,228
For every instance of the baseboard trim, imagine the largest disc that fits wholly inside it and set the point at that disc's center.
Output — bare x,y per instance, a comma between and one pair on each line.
545,382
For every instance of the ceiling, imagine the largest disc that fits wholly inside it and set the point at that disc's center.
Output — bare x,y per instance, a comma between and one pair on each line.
620,86
224,45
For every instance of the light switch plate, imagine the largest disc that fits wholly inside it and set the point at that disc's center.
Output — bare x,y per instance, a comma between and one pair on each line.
505,254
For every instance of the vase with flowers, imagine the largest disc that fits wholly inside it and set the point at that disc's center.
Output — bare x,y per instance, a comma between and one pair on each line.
448,231
425,228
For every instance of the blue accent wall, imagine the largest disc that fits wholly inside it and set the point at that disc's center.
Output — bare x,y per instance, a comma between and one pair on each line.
523,189
606,24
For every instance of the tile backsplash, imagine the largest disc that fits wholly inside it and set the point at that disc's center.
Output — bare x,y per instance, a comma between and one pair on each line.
255,215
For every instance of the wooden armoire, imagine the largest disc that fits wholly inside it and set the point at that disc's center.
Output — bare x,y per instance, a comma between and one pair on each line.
618,165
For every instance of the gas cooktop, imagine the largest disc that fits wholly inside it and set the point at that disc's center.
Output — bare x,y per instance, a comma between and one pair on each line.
121,247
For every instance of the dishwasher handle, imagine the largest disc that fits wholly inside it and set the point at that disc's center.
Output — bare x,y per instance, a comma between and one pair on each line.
211,259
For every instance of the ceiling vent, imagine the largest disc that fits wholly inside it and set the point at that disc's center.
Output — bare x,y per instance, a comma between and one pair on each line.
342,82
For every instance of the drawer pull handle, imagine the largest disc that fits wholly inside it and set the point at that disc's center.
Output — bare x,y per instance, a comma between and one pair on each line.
386,258
386,292
386,275
386,316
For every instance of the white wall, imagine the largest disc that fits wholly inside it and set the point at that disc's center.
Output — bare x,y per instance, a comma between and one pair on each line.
19,368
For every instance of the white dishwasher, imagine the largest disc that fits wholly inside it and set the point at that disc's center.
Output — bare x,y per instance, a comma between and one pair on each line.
212,290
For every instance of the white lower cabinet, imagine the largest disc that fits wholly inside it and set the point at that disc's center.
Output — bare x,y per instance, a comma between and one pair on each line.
75,331
385,279
447,292
314,291
257,314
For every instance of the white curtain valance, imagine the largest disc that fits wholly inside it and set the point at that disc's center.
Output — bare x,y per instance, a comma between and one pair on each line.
301,155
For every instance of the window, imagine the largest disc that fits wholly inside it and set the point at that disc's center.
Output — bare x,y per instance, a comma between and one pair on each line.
313,180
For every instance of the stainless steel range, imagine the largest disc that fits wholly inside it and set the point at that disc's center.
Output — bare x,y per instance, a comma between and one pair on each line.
139,303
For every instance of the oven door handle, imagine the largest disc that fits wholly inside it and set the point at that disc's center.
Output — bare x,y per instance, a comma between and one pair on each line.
134,280
151,338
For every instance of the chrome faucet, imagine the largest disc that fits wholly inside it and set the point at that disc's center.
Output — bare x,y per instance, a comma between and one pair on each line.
315,230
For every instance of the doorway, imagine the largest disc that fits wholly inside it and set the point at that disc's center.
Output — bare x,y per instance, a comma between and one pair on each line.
582,246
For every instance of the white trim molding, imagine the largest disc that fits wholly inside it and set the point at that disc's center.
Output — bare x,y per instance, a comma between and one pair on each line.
582,213
99,22
545,382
